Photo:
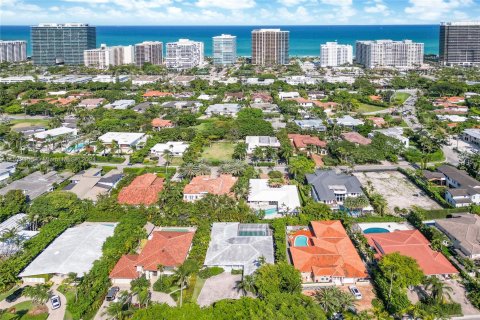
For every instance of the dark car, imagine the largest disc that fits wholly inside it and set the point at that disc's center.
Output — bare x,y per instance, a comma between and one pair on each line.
112,293
15,295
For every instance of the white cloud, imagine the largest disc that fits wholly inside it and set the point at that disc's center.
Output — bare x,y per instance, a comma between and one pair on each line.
434,10
377,6
127,4
174,10
290,3
226,4
338,3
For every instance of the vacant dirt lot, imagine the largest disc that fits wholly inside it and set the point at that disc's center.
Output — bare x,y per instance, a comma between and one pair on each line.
397,190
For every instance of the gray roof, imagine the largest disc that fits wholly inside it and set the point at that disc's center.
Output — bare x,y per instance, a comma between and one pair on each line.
471,185
75,250
7,165
36,183
465,229
236,244
322,180
311,123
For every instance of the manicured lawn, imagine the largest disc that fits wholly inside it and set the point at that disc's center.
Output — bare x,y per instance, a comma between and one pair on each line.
7,293
198,288
363,107
176,161
220,151
401,97
21,310
22,123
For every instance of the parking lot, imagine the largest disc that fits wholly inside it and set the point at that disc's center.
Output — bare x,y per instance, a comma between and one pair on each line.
397,190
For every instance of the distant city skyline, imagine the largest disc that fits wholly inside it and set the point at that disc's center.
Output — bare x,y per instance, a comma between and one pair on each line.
234,12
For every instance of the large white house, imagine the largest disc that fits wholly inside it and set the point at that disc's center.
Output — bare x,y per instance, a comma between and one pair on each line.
176,148
463,190
126,141
274,201
262,142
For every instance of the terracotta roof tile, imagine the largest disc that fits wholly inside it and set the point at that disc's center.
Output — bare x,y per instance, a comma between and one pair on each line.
356,137
144,189
302,141
156,94
205,184
161,123
125,268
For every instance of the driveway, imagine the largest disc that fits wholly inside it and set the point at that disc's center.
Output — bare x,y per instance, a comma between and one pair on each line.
458,294
219,287
162,297
59,313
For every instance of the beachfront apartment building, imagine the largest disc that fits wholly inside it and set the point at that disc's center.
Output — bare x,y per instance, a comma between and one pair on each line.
333,54
54,44
460,43
389,53
104,57
224,50
270,46
184,54
13,51
149,52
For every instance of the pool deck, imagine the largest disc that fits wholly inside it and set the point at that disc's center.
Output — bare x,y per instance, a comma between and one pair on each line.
390,226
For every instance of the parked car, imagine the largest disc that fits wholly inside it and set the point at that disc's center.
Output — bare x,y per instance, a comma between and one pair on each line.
356,293
15,295
55,301
112,293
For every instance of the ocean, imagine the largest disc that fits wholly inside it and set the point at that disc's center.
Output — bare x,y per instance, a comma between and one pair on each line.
304,40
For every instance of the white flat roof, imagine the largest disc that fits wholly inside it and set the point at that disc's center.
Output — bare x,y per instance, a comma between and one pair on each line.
286,196
54,132
121,137
75,250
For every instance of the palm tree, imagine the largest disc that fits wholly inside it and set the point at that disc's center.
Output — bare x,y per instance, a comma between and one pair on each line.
270,153
167,155
183,273
12,238
99,148
203,169
188,170
247,284
38,293
379,203
261,260
161,269
116,310
327,298
438,289
114,147
258,154
71,282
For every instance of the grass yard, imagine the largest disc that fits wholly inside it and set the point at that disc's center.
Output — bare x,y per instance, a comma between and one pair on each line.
198,288
21,312
363,107
23,123
400,97
7,293
219,151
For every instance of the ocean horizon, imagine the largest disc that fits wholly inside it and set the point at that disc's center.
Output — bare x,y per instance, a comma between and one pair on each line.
304,40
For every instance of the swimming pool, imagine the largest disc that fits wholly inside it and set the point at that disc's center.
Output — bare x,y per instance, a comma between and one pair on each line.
301,241
76,147
375,230
270,211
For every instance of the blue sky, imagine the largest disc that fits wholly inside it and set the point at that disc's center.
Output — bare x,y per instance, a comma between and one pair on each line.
237,12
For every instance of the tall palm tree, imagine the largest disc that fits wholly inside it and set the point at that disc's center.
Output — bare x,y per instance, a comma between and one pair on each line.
203,169
167,155
258,154
114,147
182,275
160,269
188,170
38,293
327,298
10,237
245,285
438,289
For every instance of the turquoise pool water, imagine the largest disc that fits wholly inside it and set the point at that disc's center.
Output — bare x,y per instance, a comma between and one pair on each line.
76,147
375,230
270,211
301,241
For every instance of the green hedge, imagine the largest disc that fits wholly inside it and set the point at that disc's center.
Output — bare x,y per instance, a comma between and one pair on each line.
210,272
423,185
443,213
265,164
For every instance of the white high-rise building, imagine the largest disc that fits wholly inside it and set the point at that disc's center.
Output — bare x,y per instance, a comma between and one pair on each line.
184,54
270,46
13,51
333,54
389,53
149,51
224,49
104,57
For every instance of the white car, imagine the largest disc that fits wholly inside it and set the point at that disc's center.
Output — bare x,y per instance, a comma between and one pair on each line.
356,293
55,300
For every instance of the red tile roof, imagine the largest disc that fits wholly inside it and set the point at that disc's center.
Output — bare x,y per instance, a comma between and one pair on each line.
161,123
167,248
330,252
356,137
264,96
413,244
378,121
156,94
205,184
302,141
144,190
325,105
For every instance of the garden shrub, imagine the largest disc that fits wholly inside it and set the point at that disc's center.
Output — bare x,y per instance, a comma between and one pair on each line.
210,272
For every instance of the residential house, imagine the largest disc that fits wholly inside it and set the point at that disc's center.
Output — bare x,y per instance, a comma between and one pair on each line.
333,188
472,136
41,137
156,94
323,253
308,143
223,109
463,190
311,124
378,122
20,223
316,95
261,97
200,186
274,201
142,107
176,148
346,121
159,124
165,247
143,190
262,142
239,246
36,184
394,132
192,106
355,137
90,184
7,169
302,102
126,141
233,96
143,79
266,107
91,103
259,82
29,131
120,104
464,232
288,95
413,244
